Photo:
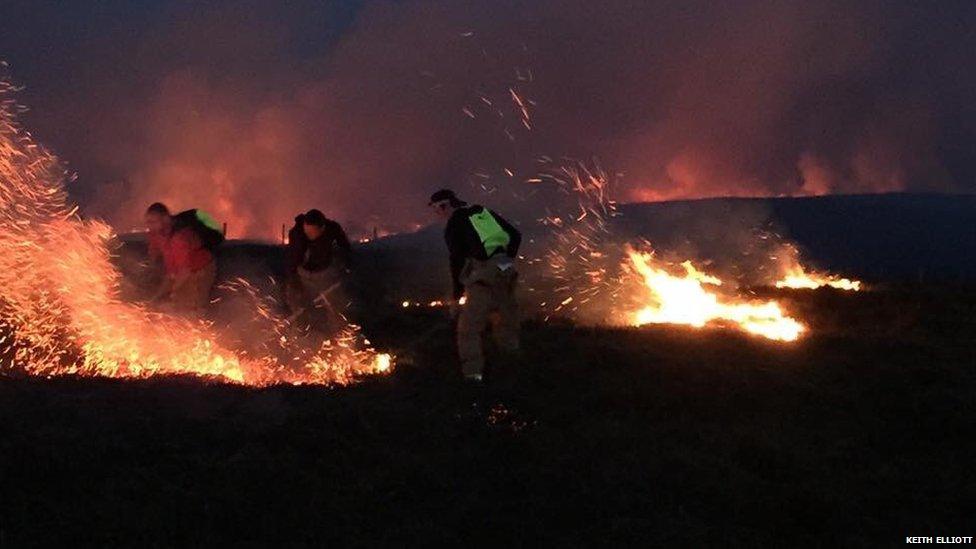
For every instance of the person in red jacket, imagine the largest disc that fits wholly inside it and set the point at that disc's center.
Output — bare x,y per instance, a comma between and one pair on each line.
189,267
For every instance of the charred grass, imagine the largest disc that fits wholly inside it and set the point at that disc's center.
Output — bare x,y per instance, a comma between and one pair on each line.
859,433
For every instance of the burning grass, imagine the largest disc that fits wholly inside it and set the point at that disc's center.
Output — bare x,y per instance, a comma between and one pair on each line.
691,299
798,279
795,276
604,279
60,310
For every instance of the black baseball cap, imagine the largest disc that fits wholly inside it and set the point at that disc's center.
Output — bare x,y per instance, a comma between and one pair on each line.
315,217
446,194
442,195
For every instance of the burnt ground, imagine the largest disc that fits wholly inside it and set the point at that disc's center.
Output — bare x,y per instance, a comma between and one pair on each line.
859,434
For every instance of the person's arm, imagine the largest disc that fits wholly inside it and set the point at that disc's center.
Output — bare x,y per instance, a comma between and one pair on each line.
514,236
457,265
159,255
164,290
295,251
182,245
153,247
454,235
342,244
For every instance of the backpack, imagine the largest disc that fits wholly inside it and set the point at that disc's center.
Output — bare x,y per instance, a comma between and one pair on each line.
203,224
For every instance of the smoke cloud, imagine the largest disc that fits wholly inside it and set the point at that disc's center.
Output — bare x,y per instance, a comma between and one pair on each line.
257,111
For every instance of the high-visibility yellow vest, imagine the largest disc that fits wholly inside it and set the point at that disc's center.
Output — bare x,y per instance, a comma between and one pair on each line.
208,220
493,236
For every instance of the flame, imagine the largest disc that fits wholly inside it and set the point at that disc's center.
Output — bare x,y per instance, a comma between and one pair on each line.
796,277
383,362
686,299
597,275
406,304
61,312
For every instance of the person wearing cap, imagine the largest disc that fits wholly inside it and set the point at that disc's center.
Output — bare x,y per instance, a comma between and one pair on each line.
483,247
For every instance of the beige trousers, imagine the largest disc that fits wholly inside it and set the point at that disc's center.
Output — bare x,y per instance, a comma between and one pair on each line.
191,293
301,290
490,293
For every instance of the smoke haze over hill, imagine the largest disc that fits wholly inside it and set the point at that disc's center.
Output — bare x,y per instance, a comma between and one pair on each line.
362,108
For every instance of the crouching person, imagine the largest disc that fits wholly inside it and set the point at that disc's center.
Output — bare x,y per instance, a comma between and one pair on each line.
318,255
482,247
188,264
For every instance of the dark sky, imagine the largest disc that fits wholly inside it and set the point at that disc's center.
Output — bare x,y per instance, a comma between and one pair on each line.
257,110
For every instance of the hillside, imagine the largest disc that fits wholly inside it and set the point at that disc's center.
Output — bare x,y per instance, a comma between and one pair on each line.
879,238
892,238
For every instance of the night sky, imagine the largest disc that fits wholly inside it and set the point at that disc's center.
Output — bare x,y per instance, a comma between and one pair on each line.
257,110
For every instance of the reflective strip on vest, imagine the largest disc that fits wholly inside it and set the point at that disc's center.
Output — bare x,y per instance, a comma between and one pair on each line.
206,219
493,236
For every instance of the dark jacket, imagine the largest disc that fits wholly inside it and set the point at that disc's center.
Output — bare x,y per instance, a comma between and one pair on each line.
317,255
295,252
463,242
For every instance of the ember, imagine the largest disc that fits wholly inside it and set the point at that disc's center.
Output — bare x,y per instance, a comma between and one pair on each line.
60,310
437,303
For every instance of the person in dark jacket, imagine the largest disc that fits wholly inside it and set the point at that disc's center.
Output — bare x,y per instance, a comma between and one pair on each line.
482,247
327,243
317,255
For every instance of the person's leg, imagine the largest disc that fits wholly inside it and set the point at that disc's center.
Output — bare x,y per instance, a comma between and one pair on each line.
506,327
180,295
295,298
332,294
471,325
321,291
196,294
